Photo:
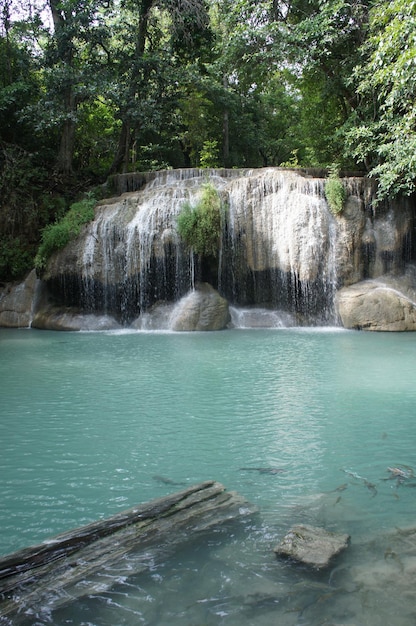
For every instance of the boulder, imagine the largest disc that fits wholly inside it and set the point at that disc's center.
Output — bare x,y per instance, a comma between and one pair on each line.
201,309
16,303
385,304
311,546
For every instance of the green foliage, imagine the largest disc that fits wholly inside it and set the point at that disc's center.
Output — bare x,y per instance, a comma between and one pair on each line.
58,235
157,84
209,156
335,191
385,137
324,46
15,258
29,200
293,161
201,124
94,145
19,88
200,226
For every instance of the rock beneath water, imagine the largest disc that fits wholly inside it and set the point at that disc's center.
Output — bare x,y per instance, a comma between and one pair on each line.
311,545
201,309
385,304
67,319
16,303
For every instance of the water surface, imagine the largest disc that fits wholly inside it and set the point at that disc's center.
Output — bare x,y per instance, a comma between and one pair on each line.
92,423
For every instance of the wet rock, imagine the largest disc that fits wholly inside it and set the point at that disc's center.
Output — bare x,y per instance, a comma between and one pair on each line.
282,246
201,309
385,304
311,545
16,303
67,319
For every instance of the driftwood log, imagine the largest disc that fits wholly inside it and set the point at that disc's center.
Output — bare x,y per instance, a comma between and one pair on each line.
74,563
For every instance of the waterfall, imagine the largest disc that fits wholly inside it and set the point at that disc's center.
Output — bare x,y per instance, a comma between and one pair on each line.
281,243
282,249
132,255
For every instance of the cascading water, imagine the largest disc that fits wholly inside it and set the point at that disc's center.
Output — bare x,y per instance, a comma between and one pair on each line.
282,249
281,244
132,255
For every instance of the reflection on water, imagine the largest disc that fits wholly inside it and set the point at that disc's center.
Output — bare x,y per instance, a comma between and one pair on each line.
92,423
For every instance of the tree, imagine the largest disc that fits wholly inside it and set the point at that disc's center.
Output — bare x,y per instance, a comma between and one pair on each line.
76,57
19,82
21,172
162,34
254,109
385,138
323,45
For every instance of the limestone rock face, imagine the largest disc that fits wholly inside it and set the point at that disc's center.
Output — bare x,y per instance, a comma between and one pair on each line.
16,303
57,319
281,249
202,309
311,545
385,304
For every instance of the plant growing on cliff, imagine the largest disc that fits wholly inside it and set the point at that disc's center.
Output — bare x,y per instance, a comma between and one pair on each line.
200,226
58,235
335,191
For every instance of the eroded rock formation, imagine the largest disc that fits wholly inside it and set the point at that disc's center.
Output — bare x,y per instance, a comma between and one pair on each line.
17,303
384,304
281,249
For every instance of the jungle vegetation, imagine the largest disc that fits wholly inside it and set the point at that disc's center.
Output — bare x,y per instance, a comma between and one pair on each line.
89,88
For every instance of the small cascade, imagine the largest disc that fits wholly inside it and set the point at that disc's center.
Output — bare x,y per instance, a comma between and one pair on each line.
132,256
255,317
282,250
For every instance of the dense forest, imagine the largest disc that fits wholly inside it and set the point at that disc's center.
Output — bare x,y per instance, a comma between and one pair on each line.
89,88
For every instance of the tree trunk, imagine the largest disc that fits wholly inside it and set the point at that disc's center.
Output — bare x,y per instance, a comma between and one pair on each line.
66,147
67,142
120,160
56,572
121,157
225,131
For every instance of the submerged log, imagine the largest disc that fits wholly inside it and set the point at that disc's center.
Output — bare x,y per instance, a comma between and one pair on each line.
70,564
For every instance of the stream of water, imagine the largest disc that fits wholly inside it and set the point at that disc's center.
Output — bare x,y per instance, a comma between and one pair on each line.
92,423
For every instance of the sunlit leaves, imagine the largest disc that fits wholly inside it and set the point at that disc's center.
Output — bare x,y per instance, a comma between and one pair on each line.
387,80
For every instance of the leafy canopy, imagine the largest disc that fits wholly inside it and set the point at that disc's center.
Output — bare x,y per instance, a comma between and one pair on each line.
385,137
